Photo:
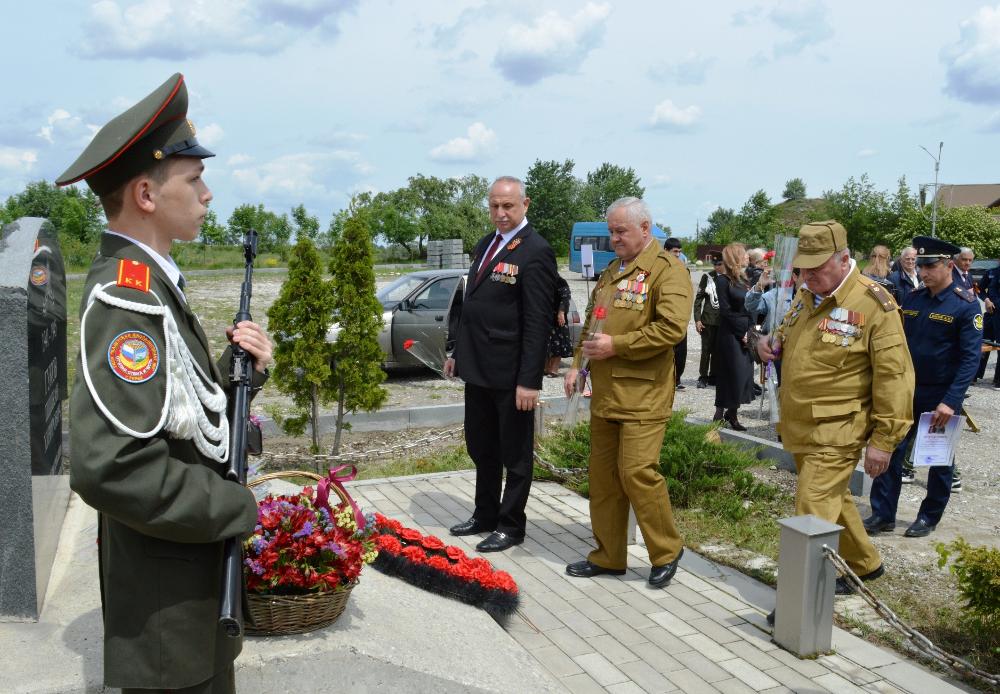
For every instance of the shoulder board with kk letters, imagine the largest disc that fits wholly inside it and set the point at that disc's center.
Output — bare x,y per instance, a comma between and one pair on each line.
133,274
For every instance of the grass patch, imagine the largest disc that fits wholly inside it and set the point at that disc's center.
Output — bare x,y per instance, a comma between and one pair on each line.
446,460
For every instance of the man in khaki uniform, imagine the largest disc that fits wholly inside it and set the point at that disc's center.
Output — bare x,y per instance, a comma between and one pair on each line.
847,380
646,297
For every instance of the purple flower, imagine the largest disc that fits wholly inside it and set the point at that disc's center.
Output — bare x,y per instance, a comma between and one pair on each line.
306,530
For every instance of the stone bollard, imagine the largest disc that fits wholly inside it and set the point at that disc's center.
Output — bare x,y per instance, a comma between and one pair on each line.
806,581
539,421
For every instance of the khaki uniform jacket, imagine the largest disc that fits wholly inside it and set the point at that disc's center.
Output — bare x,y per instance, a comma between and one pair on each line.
637,384
835,397
165,509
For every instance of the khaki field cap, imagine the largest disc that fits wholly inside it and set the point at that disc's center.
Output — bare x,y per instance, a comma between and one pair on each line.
817,242
155,128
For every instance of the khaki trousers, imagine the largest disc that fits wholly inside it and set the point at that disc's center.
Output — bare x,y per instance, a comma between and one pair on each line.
624,469
823,490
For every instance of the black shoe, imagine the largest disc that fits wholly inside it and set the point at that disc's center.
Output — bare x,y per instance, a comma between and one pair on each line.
735,425
702,383
659,576
908,476
845,588
498,542
757,390
679,386
770,617
469,527
584,569
874,525
920,528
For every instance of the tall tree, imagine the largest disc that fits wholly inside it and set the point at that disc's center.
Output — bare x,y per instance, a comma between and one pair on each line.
555,205
974,226
718,226
357,357
606,184
754,224
299,320
795,189
76,214
431,200
305,224
212,233
471,209
392,219
865,212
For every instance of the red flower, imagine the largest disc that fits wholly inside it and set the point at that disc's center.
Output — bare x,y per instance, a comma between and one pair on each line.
414,554
389,543
410,535
432,543
454,553
438,562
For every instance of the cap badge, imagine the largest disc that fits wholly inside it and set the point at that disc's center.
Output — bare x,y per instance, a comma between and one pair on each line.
191,125
158,154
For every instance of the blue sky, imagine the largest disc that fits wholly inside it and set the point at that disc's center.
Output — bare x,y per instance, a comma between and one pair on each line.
313,100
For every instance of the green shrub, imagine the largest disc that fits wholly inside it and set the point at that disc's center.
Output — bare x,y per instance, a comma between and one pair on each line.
978,572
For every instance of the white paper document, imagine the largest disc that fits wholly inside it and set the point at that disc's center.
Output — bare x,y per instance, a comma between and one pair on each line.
936,446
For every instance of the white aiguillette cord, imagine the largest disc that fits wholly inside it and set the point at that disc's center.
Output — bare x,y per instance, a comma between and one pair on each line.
189,390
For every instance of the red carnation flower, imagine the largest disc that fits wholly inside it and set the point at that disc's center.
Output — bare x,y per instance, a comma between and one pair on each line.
454,553
410,535
415,554
432,543
389,543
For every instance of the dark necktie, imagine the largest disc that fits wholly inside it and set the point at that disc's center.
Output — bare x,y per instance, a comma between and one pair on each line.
181,283
489,256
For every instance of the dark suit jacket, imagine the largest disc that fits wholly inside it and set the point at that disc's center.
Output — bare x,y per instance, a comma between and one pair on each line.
165,508
504,329
903,285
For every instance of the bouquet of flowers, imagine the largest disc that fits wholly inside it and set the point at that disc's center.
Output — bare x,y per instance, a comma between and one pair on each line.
303,545
426,562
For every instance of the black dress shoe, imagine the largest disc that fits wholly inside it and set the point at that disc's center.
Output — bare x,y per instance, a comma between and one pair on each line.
770,617
874,525
584,569
679,387
660,576
469,527
920,528
702,383
845,588
498,542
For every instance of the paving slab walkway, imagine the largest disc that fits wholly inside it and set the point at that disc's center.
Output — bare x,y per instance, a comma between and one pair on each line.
705,632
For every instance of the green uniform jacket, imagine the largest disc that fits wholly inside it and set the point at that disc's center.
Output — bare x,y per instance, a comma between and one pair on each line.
703,309
835,396
646,320
164,507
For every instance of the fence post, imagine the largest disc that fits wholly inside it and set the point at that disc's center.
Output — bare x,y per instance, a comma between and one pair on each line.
806,580
539,422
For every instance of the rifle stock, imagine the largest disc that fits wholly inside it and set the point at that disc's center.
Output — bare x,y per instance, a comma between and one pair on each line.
240,373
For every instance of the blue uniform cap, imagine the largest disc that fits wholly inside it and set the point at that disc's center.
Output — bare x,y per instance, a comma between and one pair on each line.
930,250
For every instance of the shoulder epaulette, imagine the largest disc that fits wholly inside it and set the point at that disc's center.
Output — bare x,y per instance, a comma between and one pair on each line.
965,294
880,294
133,274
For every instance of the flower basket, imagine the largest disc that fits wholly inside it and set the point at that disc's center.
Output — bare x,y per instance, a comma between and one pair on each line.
304,557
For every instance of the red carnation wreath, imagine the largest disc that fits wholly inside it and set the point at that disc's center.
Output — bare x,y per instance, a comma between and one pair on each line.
427,562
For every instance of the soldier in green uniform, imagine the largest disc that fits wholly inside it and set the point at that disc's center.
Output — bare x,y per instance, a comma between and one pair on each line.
846,387
645,296
149,433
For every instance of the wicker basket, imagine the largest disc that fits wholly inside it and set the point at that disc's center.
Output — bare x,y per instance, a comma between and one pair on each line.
276,615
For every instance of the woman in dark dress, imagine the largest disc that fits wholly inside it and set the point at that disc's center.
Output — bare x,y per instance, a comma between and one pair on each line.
559,342
734,381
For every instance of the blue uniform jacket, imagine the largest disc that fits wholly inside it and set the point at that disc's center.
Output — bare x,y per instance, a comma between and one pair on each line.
944,334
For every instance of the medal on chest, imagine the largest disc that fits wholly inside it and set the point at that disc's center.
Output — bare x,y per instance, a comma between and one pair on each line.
841,327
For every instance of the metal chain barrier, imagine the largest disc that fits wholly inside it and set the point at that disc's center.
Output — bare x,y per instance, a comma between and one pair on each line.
562,473
353,456
917,640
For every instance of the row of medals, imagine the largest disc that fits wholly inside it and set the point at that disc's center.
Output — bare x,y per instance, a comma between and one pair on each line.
504,272
631,293
842,327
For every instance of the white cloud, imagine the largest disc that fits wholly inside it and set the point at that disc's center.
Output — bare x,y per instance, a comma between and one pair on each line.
807,22
866,153
63,126
210,135
668,116
239,160
17,160
552,45
971,72
176,29
303,176
479,143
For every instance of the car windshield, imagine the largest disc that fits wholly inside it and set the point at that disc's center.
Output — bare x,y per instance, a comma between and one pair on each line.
399,289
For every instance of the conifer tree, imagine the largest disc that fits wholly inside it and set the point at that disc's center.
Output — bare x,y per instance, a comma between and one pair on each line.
357,357
298,321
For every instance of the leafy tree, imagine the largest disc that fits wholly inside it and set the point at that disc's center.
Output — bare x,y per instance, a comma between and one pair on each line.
274,231
974,226
75,213
608,183
430,199
718,226
213,233
795,189
555,204
865,212
305,224
392,218
471,209
357,357
334,230
299,320
754,225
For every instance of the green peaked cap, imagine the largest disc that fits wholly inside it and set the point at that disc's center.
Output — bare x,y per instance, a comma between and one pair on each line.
155,128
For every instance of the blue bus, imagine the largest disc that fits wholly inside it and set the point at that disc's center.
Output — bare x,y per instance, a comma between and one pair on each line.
596,234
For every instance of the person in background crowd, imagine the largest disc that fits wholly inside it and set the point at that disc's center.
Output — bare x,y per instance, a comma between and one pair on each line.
673,246
559,342
756,263
990,293
905,279
943,329
847,386
963,261
732,362
706,321
633,395
500,353
878,267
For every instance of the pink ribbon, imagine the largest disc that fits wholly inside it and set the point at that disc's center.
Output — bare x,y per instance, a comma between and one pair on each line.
336,479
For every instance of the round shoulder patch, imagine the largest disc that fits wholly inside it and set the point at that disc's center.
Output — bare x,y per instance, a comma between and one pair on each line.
978,321
133,356
39,275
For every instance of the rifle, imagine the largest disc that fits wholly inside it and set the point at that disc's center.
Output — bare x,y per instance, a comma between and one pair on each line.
240,372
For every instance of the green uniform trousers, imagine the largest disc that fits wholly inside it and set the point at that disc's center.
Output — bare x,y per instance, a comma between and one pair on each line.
222,683
824,491
624,469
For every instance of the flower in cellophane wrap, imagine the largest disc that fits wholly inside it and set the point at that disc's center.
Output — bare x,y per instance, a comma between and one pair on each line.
301,545
429,357
573,405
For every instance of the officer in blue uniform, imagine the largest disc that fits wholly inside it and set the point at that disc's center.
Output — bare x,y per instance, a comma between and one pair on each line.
944,331
990,293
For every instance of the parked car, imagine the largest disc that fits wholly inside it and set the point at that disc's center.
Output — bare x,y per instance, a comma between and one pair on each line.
419,308
978,270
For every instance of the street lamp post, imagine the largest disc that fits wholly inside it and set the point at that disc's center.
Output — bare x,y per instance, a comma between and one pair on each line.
937,165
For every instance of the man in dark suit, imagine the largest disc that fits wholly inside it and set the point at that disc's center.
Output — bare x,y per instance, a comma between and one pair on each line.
149,431
960,273
500,353
905,279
